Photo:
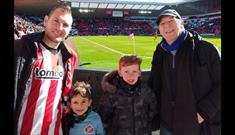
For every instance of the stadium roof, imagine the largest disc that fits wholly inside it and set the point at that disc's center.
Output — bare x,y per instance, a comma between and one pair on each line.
133,7
125,4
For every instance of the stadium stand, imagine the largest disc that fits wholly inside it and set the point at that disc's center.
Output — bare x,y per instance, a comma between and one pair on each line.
113,26
205,25
24,25
203,16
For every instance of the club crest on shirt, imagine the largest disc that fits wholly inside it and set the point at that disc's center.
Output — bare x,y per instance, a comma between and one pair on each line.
88,129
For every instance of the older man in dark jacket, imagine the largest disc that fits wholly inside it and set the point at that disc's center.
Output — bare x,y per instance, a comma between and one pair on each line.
185,76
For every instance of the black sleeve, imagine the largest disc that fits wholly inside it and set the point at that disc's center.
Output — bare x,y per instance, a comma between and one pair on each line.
210,104
152,72
152,104
105,109
154,81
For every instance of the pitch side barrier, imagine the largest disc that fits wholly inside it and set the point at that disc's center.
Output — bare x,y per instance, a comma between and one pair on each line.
94,77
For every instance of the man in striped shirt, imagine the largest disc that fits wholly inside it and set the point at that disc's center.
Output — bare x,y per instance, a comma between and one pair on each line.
44,67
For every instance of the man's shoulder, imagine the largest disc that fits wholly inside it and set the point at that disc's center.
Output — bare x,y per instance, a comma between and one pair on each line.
205,46
33,36
200,42
71,50
25,43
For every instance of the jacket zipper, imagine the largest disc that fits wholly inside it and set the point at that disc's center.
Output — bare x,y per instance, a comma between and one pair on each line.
173,75
173,61
173,78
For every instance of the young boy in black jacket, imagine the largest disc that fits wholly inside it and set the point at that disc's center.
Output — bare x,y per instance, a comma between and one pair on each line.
127,106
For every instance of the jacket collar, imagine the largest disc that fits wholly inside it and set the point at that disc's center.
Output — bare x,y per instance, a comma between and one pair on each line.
112,82
37,37
189,35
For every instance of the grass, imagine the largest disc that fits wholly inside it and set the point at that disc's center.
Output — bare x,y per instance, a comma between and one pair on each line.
104,52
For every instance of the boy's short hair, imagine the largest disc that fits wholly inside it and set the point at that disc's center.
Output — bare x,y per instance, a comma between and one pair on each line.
128,60
63,5
80,88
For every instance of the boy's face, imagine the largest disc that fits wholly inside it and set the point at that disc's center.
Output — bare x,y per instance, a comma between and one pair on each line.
130,73
79,105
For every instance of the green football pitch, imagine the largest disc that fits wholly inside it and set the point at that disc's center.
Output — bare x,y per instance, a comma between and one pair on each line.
101,52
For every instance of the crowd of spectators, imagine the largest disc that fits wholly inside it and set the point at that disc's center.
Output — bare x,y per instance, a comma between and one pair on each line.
113,26
205,26
25,25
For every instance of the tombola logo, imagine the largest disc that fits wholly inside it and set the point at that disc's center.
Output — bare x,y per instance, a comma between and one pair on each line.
48,74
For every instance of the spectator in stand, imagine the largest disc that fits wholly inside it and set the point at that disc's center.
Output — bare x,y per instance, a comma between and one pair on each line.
43,75
21,31
185,76
16,34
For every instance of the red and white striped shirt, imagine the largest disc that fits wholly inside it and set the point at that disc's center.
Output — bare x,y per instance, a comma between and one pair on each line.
41,104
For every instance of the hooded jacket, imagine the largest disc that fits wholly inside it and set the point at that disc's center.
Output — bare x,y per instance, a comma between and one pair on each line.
197,85
126,109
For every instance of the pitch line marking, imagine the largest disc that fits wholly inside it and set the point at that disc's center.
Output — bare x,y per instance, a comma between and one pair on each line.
104,46
144,57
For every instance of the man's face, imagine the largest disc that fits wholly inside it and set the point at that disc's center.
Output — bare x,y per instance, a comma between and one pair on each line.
130,73
170,28
57,25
